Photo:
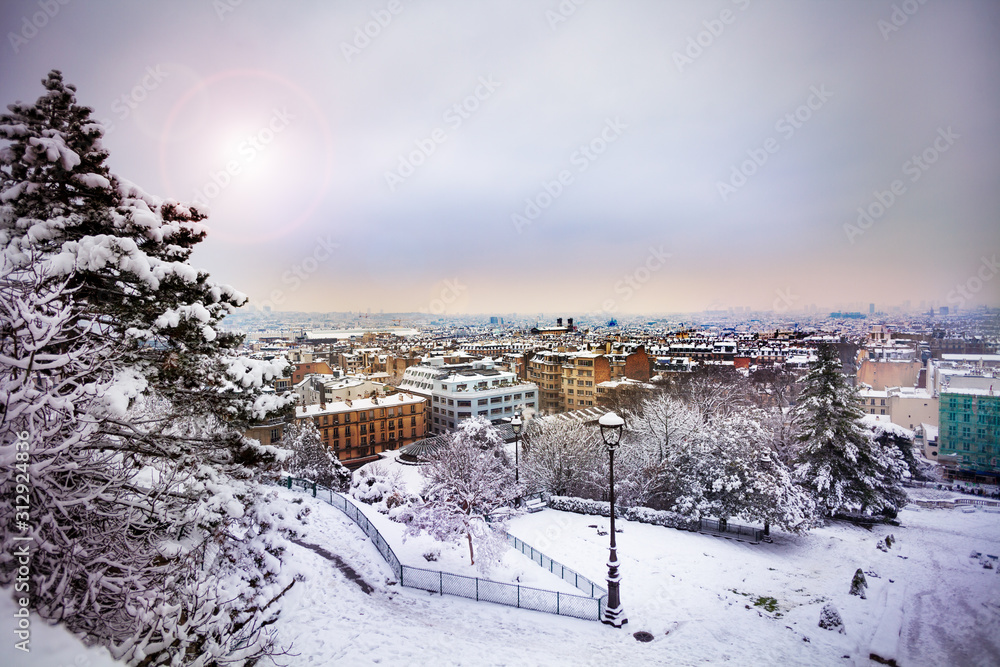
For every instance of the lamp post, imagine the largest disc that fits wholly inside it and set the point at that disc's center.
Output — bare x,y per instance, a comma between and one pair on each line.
611,433
515,425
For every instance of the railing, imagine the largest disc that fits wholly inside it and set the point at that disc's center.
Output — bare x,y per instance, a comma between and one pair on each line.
473,588
566,574
725,528
976,501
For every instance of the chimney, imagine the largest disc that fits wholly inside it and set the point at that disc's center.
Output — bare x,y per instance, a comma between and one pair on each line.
558,321
570,321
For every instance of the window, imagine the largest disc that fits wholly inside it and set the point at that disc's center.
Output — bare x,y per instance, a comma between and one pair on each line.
336,431
347,431
482,401
517,397
275,434
413,409
413,433
413,421
496,399
464,404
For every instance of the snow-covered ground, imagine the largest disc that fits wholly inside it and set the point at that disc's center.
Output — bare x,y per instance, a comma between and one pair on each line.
930,603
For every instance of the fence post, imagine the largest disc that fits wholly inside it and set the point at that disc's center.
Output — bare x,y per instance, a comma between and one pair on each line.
441,581
314,489
289,482
557,602
477,589
518,597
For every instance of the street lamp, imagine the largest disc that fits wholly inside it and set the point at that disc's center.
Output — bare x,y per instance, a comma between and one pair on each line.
611,433
516,424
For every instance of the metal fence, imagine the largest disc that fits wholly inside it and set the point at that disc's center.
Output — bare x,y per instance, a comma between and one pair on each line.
566,574
473,588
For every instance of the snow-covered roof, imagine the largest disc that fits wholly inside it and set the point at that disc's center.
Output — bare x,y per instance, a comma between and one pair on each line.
394,400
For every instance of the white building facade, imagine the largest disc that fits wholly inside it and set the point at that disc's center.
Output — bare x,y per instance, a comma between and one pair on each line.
460,392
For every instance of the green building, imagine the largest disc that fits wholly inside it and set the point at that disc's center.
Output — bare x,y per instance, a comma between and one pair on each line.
969,435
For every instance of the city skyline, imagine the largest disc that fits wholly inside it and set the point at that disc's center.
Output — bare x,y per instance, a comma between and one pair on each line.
629,158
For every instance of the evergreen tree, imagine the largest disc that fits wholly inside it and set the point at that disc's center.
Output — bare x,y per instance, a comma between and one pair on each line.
148,533
838,460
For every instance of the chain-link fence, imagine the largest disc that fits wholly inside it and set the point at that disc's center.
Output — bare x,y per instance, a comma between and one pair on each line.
474,588
566,574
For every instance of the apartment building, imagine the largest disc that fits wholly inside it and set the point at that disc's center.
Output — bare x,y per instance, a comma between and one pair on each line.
330,388
904,406
580,374
969,434
545,369
359,430
462,391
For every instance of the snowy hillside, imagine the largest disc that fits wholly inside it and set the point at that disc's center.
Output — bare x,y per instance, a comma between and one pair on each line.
706,600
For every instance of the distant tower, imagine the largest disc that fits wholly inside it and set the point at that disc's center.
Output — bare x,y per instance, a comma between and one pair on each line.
871,308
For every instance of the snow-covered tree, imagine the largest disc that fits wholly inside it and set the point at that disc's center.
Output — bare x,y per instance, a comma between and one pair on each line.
148,532
466,481
838,460
889,436
311,458
562,458
743,478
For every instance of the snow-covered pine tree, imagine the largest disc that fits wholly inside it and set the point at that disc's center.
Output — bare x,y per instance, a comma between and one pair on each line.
838,460
312,459
467,480
148,533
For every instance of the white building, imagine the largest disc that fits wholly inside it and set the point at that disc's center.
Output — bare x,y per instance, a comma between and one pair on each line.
459,392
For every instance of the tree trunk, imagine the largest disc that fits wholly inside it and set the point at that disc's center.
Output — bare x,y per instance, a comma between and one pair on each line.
471,559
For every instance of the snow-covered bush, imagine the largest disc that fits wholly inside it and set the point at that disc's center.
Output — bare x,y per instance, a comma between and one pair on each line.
661,518
640,514
829,618
859,584
582,506
373,483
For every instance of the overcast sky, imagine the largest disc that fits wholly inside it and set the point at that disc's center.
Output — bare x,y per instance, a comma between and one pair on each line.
626,156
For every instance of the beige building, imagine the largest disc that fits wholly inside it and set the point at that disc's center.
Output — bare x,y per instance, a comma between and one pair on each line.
358,430
904,406
545,369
